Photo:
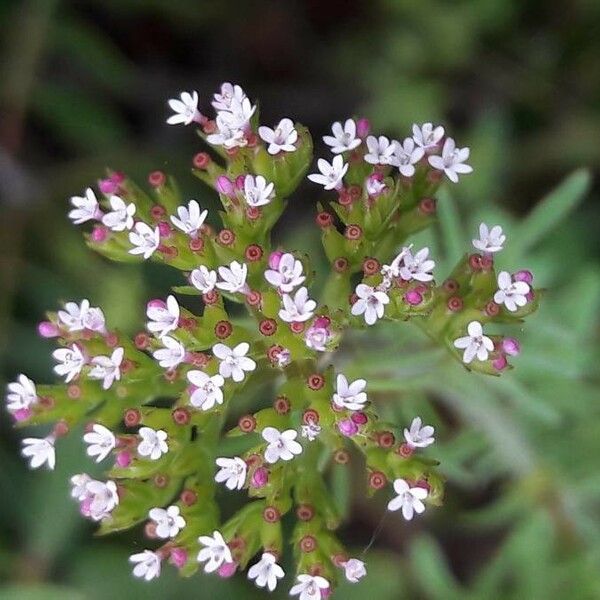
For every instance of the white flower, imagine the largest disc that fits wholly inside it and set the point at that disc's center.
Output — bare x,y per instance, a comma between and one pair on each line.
227,134
417,266
298,309
351,396
381,150
233,277
208,390
266,572
410,500
427,136
232,472
121,216
153,444
512,294
168,522
71,361
239,113
107,368
288,274
163,318
21,394
147,563
101,442
310,431
203,279
451,161
257,191
406,155
490,240
78,485
354,570
77,317
317,337
172,355
309,587
374,186
186,109
371,303
39,451
234,361
228,93
281,445
475,344
86,207
344,138
393,269
99,498
144,239
189,219
215,552
419,435
331,174
280,139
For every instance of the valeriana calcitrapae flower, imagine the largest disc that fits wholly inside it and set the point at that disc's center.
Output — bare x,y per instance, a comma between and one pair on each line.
234,382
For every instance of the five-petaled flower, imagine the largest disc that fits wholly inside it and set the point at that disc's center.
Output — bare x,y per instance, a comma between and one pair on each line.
266,572
370,303
147,564
427,136
409,499
76,317
185,109
101,441
331,174
344,137
39,451
475,344
513,294
203,279
121,215
70,362
452,160
281,445
490,240
286,272
168,522
172,355
22,394
257,191
419,435
380,150
310,587
350,395
354,570
233,361
153,443
417,266
189,218
406,156
281,139
107,368
298,308
232,472
164,316
207,389
144,239
233,277
86,208
215,552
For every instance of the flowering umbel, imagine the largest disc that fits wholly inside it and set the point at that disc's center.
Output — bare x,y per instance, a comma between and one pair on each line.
167,466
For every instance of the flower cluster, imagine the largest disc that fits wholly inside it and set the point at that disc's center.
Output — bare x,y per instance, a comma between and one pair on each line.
166,467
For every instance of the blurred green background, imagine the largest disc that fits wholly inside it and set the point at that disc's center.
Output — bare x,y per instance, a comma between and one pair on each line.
83,87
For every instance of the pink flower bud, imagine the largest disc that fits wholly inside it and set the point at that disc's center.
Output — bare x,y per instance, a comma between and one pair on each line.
274,259
526,276
99,234
164,229
260,477
227,569
360,418
239,182
179,557
348,427
111,184
325,593
413,297
500,363
322,322
22,414
46,329
224,186
363,126
511,346
123,459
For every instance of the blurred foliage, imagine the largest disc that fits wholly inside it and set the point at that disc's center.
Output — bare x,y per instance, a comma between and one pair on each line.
83,87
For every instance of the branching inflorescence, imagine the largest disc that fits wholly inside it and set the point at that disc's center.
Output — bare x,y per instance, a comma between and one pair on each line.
160,406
